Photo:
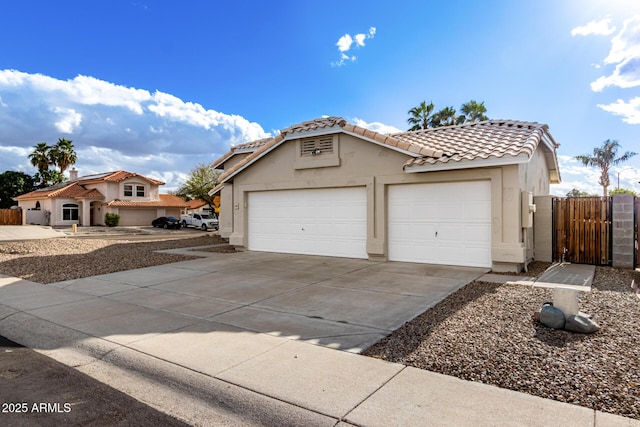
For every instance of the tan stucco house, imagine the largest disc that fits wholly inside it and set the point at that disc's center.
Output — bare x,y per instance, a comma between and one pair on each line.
457,195
86,200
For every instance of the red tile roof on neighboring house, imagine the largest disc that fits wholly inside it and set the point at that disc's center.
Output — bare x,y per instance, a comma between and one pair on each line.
68,190
116,176
195,203
166,200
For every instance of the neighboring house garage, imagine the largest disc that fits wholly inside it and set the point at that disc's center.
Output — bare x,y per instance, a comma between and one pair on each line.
456,195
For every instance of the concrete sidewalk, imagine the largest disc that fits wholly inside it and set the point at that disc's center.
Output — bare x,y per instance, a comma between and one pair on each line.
28,232
207,372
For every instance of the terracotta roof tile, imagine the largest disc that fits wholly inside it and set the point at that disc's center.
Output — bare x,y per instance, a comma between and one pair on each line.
479,140
65,190
195,203
241,148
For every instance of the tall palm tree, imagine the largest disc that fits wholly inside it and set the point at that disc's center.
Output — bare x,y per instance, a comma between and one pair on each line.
420,116
473,111
604,157
63,154
40,158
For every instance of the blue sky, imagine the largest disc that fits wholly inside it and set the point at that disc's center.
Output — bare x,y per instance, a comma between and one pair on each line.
157,87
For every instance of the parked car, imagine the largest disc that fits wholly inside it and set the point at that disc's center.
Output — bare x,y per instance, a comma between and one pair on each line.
166,222
203,221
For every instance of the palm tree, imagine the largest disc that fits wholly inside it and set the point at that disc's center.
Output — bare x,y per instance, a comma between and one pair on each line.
445,117
473,111
420,116
604,157
63,154
40,158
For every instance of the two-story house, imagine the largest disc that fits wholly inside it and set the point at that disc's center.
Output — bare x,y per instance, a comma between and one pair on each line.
85,200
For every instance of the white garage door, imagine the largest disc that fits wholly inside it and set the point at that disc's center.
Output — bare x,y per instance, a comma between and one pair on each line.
443,223
328,221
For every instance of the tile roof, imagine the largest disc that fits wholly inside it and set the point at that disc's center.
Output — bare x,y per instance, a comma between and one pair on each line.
166,200
116,176
328,123
247,147
70,190
195,203
471,141
478,140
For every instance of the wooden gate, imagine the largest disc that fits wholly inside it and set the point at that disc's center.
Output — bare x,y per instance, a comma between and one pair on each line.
10,216
582,230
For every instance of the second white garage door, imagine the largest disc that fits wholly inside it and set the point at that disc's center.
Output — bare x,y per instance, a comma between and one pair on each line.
327,221
442,223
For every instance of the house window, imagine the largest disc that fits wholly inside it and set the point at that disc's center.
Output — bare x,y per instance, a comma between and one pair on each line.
316,146
69,212
130,188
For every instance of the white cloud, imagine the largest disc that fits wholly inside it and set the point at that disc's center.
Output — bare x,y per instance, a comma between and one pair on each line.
576,175
375,126
69,119
630,111
112,126
625,53
600,28
345,43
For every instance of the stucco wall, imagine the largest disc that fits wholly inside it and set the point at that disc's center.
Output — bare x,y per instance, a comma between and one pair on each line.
534,177
362,163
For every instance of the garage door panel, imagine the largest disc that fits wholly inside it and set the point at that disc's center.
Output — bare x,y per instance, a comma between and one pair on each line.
440,223
316,222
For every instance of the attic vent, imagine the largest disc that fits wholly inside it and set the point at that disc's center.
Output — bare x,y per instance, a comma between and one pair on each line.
315,146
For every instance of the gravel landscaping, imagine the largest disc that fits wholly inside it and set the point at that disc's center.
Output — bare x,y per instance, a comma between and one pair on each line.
56,260
487,333
484,332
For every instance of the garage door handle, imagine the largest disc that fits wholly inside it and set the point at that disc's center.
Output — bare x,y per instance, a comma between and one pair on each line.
436,234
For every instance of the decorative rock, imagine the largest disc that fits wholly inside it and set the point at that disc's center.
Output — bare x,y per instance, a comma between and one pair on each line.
581,323
552,317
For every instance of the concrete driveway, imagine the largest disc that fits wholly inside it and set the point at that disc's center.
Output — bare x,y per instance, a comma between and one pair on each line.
225,340
339,303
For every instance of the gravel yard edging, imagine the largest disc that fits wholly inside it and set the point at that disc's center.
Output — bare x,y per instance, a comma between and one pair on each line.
486,332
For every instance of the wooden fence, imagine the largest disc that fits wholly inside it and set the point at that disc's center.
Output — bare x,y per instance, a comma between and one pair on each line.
10,216
582,230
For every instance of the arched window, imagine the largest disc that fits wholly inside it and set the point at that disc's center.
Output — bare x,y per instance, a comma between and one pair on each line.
69,212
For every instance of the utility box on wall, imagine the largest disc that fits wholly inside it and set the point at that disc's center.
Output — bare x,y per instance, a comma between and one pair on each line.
527,209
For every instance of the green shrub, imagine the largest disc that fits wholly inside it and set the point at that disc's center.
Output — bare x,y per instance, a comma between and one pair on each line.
111,220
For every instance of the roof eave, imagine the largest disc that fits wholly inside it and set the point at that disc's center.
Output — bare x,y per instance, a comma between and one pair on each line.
468,164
